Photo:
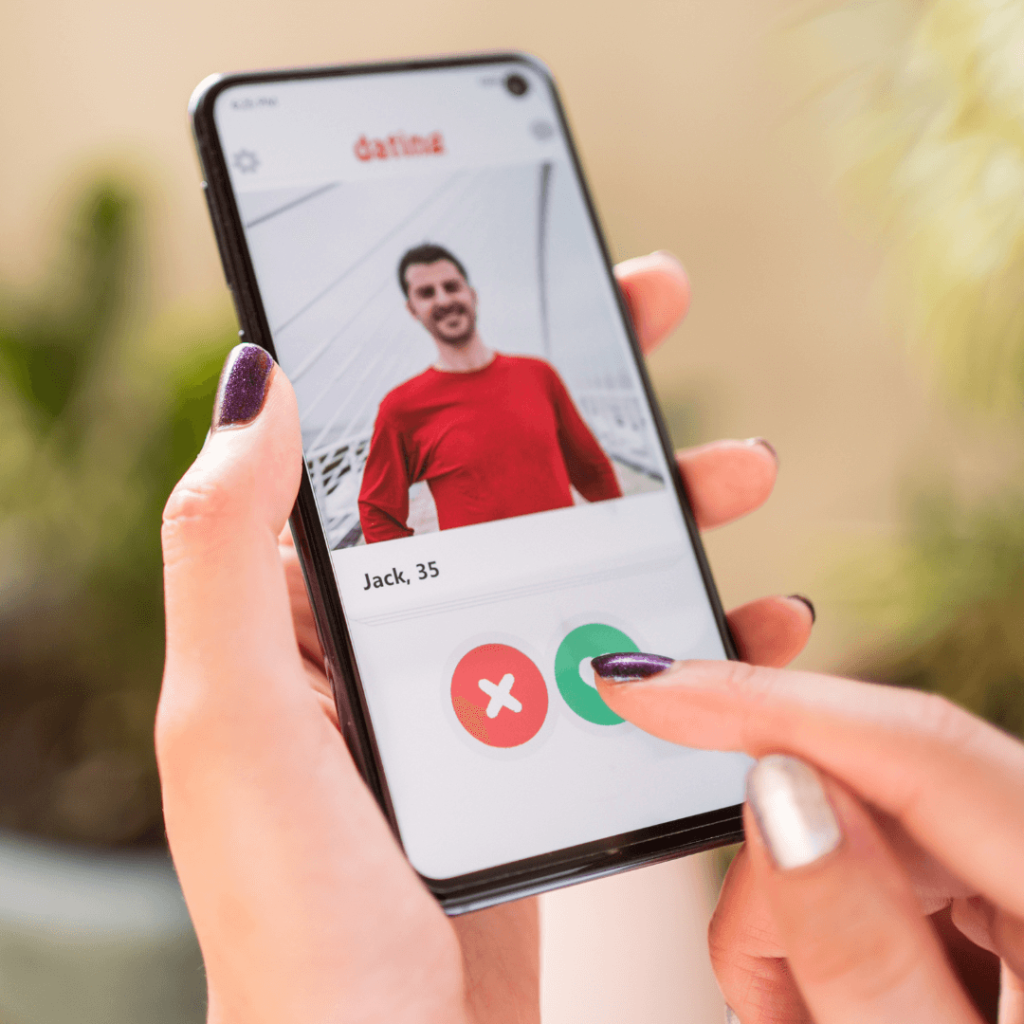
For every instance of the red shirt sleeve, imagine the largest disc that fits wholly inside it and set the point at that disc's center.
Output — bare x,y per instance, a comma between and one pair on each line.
590,470
384,494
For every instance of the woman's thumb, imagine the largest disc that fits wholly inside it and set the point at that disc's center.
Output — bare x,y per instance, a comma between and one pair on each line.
226,598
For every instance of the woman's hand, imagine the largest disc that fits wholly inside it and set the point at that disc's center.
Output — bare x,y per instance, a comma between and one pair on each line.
913,806
305,907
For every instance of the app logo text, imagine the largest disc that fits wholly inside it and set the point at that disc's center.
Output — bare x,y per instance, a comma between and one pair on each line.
399,145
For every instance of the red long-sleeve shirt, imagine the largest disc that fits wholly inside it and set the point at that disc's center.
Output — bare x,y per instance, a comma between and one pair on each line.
502,441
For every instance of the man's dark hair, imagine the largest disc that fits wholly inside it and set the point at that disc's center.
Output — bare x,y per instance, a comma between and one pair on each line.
426,253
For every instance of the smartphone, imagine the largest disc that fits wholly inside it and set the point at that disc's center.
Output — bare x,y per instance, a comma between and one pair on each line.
490,498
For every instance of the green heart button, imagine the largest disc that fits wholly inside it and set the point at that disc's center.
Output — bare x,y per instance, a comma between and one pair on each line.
575,677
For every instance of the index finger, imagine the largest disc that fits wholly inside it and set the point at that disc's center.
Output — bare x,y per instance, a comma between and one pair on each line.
954,782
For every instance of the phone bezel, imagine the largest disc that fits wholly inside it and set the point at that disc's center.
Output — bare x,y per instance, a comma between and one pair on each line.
535,874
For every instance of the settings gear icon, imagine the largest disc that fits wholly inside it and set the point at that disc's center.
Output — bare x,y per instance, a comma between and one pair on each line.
246,161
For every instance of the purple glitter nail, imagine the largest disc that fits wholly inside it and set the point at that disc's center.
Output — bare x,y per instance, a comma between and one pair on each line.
620,668
243,386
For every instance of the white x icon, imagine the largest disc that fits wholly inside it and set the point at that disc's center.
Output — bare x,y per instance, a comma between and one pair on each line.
501,695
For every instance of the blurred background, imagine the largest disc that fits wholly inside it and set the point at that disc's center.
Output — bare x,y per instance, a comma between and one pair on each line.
844,182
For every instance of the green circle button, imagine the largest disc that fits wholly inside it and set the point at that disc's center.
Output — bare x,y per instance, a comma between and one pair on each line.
572,660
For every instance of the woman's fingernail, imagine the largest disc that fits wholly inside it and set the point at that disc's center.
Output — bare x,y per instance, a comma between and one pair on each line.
666,255
243,386
792,812
730,1015
765,444
621,668
810,605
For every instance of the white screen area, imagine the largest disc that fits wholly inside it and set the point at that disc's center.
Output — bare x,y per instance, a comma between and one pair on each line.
494,527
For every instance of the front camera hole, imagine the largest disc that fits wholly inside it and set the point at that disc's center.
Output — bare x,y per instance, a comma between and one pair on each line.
517,85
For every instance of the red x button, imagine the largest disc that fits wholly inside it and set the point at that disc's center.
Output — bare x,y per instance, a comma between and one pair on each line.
499,695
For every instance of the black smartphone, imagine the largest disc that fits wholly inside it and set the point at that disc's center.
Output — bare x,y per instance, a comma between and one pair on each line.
490,499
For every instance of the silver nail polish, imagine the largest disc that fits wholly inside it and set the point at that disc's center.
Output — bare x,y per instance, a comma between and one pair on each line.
792,812
730,1015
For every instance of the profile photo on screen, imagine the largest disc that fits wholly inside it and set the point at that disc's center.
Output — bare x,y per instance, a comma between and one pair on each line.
492,435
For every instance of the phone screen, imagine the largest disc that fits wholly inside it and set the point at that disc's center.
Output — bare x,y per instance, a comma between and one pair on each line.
484,458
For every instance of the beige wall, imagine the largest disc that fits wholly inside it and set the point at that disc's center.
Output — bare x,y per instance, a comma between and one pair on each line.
692,143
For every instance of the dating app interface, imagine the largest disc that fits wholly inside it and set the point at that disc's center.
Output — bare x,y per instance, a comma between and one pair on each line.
483,456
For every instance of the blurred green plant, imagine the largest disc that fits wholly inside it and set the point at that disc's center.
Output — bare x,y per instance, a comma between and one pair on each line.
949,593
98,423
929,129
932,147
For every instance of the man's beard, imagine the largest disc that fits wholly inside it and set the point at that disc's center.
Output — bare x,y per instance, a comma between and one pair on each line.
442,313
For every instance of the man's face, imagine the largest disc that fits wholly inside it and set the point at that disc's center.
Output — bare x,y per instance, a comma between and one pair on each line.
441,299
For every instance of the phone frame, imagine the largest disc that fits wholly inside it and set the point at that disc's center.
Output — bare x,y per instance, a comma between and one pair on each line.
532,875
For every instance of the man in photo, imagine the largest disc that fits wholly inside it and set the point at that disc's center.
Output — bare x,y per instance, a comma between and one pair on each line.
493,435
